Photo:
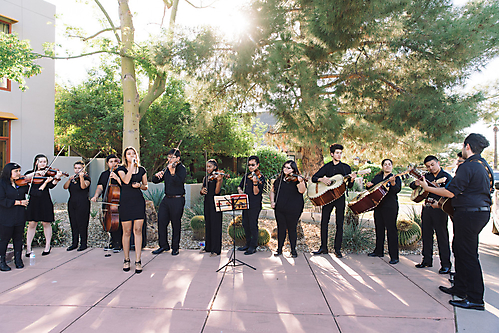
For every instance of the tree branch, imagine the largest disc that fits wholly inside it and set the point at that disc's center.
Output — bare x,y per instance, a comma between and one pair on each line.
155,90
76,56
108,19
199,7
96,34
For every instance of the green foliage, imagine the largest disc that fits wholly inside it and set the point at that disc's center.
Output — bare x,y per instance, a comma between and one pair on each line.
409,233
357,238
58,236
415,215
263,237
197,222
375,169
155,195
271,160
236,230
17,60
230,185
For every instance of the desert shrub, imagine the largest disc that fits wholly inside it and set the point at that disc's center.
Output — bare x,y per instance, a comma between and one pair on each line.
357,238
58,236
155,195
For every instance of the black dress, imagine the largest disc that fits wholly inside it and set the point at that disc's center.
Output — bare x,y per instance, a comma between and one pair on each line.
288,208
213,220
132,203
40,207
79,211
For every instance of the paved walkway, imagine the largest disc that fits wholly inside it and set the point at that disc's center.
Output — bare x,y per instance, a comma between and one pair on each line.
88,292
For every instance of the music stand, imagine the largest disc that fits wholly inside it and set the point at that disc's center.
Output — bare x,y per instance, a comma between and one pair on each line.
230,203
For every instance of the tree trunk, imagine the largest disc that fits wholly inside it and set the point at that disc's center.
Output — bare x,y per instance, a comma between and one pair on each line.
312,159
131,115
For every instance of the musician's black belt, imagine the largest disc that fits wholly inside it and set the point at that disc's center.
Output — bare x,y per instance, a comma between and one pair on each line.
174,196
472,209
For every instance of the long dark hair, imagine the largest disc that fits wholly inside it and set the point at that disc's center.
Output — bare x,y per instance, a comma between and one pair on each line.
7,171
35,161
383,162
293,166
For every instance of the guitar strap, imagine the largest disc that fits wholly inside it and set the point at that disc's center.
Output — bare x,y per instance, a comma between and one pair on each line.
491,178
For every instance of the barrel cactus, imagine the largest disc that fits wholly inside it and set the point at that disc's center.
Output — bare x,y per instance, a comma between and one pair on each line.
236,226
198,227
409,233
263,237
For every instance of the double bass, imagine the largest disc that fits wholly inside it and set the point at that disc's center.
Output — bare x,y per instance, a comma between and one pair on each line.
110,220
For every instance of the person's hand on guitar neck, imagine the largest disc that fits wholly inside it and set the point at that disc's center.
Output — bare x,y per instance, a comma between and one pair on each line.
325,180
422,182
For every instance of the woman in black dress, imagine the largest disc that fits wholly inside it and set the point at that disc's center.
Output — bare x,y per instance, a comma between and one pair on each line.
213,220
385,214
286,197
132,205
40,207
12,214
78,205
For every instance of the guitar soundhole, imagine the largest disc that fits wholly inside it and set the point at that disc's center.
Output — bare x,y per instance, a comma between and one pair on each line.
333,182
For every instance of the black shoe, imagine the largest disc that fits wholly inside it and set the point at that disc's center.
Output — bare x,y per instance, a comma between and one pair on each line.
278,253
452,291
374,254
444,270
465,304
71,248
320,251
3,264
423,265
393,261
175,252
46,253
138,267
18,259
243,248
159,250
28,254
294,255
126,265
338,254
82,248
250,251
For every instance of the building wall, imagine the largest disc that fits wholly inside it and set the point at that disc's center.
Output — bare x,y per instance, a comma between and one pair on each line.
33,132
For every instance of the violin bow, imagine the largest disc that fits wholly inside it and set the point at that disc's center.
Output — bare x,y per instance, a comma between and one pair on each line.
85,166
48,167
205,168
178,146
245,175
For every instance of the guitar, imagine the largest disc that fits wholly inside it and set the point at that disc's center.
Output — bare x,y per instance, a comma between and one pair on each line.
418,194
370,199
443,203
321,194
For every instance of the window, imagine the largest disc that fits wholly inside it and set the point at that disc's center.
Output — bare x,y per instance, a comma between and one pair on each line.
4,142
5,27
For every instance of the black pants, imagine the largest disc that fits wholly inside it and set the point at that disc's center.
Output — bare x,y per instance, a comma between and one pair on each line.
287,221
468,278
213,229
116,237
15,233
386,218
435,219
340,217
250,225
79,215
170,210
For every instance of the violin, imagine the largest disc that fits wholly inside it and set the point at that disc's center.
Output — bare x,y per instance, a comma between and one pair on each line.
214,175
258,175
52,172
292,177
23,180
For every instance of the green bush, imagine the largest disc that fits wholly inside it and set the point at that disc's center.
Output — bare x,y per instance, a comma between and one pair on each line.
155,195
271,160
230,185
415,215
357,238
374,170
58,236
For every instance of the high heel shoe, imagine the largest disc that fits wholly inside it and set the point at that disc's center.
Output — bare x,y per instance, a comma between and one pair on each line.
138,267
126,265
28,254
46,253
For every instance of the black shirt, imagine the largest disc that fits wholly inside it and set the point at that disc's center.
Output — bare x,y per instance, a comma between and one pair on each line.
430,178
104,179
287,196
76,193
10,214
471,184
390,199
255,201
330,169
174,185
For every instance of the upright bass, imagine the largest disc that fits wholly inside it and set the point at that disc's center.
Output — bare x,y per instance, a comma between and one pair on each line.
110,220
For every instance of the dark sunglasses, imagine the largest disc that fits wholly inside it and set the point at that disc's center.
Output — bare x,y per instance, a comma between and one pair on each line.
251,164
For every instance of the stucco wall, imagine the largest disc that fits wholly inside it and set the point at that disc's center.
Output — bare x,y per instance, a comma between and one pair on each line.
33,133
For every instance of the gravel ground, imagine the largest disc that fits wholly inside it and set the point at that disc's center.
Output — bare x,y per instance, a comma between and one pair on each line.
97,237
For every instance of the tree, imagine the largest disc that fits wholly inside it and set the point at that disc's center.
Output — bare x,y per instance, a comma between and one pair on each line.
345,70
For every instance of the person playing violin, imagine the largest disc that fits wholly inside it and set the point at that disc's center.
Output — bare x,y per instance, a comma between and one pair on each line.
132,208
212,185
112,162
385,214
286,197
40,207
171,208
252,185
78,206
12,214
324,174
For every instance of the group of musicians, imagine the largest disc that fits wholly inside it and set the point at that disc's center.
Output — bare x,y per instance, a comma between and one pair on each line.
470,190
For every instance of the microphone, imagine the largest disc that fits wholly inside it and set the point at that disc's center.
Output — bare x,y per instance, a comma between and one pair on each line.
134,161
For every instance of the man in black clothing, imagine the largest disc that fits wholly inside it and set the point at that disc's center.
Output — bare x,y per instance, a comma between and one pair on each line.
471,192
172,205
252,185
327,171
435,219
112,162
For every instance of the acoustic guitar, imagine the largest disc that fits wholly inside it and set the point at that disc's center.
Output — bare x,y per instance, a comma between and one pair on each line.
444,204
418,194
321,194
